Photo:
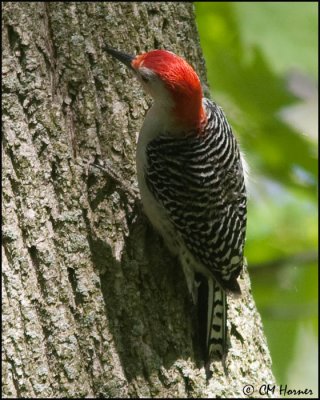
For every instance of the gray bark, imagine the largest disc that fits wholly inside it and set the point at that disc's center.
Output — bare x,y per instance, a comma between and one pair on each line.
93,303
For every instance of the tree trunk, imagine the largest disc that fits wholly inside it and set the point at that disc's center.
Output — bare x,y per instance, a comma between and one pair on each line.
93,303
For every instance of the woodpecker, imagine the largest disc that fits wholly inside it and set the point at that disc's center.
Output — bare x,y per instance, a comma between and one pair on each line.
191,180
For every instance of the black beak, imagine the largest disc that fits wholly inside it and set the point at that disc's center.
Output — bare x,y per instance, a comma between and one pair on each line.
126,59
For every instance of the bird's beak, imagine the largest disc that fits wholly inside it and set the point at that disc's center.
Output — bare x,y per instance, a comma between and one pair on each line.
126,59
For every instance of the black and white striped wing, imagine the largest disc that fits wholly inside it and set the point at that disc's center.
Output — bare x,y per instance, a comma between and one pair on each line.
199,182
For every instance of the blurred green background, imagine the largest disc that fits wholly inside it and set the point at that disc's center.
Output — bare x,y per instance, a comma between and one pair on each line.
262,63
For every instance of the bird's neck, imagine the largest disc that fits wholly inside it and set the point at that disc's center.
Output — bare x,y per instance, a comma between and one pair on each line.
189,115
188,110
179,117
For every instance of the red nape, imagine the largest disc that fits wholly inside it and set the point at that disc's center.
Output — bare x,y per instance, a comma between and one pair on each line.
182,82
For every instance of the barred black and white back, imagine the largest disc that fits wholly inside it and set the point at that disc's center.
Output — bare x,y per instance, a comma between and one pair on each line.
198,183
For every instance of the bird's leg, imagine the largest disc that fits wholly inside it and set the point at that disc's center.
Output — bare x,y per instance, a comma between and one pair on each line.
109,169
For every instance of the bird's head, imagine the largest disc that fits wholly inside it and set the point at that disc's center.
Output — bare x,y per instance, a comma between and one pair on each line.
172,83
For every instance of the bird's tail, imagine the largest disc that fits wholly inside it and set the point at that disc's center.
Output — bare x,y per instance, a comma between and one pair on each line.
216,321
212,317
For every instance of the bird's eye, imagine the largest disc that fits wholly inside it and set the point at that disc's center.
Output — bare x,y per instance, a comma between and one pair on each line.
145,79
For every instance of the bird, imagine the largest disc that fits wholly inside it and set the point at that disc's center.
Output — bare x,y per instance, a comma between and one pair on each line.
191,178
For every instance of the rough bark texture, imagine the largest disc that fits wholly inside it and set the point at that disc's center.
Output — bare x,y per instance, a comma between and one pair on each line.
93,304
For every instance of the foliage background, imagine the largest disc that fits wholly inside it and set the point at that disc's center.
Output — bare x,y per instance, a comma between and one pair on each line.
262,62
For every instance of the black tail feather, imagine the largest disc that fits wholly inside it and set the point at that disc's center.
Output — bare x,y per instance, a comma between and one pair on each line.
212,319
202,307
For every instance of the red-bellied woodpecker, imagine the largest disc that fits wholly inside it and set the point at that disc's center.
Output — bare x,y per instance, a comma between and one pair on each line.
191,181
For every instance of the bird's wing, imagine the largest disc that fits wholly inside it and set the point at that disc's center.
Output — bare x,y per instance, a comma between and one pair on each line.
198,179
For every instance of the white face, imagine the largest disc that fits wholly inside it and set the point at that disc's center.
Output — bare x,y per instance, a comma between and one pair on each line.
154,86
